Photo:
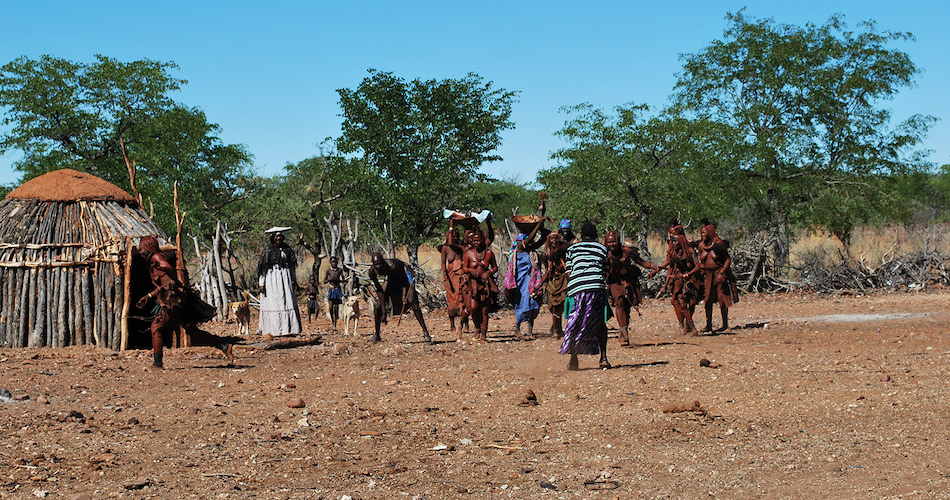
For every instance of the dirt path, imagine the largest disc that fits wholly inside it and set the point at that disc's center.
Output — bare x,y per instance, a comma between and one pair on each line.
844,398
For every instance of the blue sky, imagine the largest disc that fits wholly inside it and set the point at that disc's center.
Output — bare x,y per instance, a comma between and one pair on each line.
267,72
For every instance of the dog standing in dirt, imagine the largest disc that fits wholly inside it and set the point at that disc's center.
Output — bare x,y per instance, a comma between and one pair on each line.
242,314
351,310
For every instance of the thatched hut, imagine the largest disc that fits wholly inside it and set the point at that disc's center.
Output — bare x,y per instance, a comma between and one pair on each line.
68,271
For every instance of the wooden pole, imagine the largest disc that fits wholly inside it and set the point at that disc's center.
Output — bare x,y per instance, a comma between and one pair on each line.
126,294
23,306
131,166
222,304
179,255
88,316
185,339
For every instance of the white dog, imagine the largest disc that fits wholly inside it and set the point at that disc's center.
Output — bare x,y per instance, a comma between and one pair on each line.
351,310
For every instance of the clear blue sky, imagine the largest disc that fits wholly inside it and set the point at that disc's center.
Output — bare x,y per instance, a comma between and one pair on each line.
267,72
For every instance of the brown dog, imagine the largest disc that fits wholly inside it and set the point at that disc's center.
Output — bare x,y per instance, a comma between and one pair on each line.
242,314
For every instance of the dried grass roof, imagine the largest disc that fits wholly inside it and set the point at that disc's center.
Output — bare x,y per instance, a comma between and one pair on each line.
70,185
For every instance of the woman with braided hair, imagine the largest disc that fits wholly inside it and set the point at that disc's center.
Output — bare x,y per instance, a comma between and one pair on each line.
173,306
683,275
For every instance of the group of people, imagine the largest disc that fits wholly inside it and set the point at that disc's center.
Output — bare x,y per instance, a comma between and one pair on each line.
468,270
585,281
279,313
699,270
580,278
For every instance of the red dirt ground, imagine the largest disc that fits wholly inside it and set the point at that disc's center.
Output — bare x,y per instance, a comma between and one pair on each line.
815,397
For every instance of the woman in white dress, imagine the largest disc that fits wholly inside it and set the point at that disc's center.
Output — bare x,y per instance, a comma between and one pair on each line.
277,278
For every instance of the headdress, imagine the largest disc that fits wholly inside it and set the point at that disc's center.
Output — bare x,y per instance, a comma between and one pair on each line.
518,239
149,244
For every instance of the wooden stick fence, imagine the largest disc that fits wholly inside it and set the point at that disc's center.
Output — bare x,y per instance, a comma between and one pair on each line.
65,271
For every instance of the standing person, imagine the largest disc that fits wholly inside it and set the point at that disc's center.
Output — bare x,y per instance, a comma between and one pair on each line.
170,298
623,281
526,307
554,280
717,270
564,229
313,298
397,294
452,252
683,275
277,278
334,278
478,268
586,331
488,237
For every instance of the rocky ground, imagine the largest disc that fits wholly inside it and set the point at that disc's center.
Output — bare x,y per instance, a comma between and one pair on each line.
813,397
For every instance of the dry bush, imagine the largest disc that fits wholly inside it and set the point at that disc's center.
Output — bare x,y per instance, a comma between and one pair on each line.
879,258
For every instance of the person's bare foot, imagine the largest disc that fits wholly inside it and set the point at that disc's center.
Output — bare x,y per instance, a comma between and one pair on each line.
229,353
573,364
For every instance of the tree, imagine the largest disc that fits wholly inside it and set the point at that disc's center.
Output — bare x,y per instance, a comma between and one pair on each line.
305,196
803,101
426,140
629,168
63,114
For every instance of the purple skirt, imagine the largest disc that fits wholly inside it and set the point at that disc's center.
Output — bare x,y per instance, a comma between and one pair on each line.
586,325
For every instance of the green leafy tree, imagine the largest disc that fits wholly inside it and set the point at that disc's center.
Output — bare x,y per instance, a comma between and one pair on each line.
804,103
930,194
63,114
426,140
503,197
629,169
304,196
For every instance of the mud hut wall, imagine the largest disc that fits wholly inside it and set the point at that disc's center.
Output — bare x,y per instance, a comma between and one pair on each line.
61,271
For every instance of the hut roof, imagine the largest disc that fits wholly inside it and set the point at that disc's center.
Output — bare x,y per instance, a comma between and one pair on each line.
70,185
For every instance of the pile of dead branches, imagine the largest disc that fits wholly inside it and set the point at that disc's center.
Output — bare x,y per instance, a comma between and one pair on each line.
916,271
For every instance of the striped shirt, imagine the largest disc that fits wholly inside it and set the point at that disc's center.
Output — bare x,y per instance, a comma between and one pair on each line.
587,265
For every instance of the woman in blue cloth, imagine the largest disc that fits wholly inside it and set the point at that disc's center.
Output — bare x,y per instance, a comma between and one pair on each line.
526,307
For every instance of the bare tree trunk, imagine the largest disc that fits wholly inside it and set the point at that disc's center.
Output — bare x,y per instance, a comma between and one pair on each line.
645,235
412,248
349,247
780,227
781,243
222,305
229,253
392,235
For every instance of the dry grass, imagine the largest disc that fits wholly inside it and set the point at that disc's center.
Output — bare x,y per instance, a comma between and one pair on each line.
872,245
